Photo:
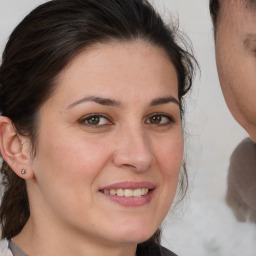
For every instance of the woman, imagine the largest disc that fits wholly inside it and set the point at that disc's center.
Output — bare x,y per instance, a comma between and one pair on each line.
91,129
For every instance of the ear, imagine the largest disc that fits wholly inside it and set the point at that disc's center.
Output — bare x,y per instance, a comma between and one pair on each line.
14,148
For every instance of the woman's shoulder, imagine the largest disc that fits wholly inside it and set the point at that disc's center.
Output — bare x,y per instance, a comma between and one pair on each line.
166,252
4,250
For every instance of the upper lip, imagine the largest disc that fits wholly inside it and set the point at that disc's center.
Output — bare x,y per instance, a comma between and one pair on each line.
130,185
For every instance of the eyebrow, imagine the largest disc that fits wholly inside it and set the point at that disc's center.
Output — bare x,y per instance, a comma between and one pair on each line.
164,100
115,103
99,100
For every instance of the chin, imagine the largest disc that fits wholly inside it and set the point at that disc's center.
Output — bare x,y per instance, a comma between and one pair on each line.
135,236
249,125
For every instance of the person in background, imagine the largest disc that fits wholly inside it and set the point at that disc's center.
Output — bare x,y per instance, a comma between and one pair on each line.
234,24
91,131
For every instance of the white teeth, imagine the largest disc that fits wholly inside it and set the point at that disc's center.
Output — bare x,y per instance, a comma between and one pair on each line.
112,192
144,191
127,192
137,192
120,192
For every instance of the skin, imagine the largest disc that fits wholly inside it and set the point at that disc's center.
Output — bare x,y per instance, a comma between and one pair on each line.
74,160
236,62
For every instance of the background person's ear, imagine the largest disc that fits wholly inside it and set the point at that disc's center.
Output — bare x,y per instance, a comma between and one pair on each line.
14,149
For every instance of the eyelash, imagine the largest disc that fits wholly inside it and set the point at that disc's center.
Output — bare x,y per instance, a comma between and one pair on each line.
86,120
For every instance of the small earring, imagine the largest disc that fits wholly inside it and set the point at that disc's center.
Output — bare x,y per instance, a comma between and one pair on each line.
23,171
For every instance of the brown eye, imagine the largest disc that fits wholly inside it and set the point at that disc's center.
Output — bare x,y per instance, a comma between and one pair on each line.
160,119
155,119
95,120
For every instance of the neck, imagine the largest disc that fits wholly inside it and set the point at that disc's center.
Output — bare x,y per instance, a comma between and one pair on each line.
41,241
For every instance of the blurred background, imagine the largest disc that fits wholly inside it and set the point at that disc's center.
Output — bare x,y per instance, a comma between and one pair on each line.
217,217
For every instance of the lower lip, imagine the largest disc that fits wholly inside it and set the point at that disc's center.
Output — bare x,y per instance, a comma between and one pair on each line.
131,201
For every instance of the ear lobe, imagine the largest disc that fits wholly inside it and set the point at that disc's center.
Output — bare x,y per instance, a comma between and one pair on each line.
11,147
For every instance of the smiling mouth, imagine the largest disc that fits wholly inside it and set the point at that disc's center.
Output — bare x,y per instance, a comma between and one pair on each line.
127,192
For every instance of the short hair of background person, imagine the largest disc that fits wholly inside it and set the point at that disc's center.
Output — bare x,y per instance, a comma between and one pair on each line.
235,33
214,10
43,44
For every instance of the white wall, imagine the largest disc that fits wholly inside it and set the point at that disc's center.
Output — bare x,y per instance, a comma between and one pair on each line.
204,226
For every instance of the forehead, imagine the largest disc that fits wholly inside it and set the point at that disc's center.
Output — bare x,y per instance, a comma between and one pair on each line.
237,14
114,68
230,8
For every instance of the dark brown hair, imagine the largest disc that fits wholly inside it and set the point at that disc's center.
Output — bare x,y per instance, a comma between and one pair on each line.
43,44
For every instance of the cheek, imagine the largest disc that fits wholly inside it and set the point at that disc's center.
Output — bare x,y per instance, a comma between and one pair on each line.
170,155
169,159
237,79
225,63
69,159
65,171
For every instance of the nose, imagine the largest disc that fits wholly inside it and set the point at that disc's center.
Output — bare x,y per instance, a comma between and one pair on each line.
134,150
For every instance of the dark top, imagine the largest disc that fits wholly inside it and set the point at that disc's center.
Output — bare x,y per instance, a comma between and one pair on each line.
153,249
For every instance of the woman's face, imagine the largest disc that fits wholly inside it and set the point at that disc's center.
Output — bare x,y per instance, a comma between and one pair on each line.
110,145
